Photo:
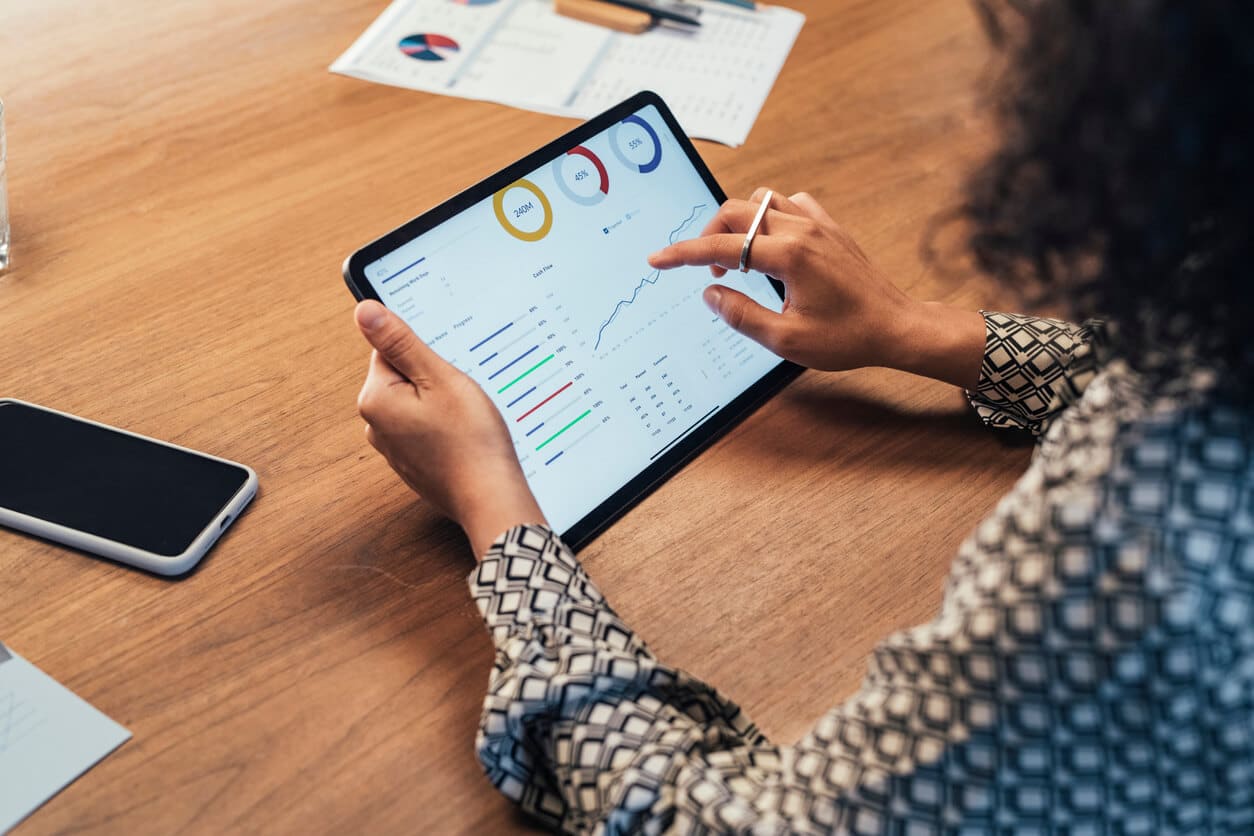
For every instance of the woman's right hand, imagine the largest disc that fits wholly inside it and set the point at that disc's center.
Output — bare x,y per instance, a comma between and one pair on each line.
840,312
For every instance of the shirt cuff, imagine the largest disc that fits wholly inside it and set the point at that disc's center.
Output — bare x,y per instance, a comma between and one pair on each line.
1033,368
524,577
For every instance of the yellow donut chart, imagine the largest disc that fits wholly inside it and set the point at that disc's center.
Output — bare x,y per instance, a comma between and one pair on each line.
498,204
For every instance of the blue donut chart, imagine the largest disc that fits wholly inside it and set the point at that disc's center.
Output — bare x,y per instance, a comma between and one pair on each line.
644,168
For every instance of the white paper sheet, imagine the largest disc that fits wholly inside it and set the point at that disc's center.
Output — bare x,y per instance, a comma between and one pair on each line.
48,737
523,54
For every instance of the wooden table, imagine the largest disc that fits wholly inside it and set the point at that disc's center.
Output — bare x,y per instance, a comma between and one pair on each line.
185,180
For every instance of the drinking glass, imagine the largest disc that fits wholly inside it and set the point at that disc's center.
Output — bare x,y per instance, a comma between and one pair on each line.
4,201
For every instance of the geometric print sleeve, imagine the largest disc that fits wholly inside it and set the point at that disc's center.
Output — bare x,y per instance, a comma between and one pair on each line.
1091,670
1033,369
582,726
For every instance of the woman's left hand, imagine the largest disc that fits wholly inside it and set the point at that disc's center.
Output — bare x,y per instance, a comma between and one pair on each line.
440,433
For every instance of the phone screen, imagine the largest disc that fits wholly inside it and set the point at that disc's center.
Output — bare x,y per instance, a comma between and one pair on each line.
107,483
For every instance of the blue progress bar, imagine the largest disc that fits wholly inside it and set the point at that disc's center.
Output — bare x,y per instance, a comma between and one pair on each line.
555,458
403,269
536,427
512,362
520,397
486,359
490,336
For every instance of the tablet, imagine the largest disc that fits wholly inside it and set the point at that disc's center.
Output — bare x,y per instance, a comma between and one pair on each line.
610,375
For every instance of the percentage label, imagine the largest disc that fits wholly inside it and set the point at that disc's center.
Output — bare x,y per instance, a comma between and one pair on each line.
636,144
581,176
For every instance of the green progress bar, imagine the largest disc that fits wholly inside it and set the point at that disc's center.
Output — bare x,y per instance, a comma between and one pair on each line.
586,413
524,374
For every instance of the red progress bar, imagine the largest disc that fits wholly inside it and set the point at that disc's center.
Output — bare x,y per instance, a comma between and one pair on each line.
546,400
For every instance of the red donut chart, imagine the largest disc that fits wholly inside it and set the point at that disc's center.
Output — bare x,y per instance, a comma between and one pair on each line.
603,186
596,161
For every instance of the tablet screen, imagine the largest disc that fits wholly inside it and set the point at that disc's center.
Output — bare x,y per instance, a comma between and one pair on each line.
542,294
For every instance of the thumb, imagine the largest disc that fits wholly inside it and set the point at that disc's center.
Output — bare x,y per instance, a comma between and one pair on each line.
743,314
395,341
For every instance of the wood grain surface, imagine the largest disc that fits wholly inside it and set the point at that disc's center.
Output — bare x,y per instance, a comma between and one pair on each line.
186,179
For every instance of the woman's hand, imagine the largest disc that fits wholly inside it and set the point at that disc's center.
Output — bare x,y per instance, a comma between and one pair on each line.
840,312
440,432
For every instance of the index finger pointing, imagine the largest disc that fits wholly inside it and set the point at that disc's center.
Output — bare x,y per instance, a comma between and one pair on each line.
767,254
720,223
721,250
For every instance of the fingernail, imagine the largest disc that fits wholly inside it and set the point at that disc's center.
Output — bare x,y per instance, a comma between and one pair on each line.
712,297
374,316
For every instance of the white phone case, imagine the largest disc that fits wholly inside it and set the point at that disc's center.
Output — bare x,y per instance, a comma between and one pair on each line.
160,564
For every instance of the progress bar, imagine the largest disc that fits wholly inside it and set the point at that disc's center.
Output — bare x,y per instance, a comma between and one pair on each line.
543,402
495,333
554,436
403,269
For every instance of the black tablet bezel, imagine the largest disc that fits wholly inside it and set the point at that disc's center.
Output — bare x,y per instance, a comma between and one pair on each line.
701,437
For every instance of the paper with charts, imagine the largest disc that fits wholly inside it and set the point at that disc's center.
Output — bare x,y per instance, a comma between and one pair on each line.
523,54
48,737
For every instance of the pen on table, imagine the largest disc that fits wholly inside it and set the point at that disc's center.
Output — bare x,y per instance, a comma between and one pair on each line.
663,11
618,18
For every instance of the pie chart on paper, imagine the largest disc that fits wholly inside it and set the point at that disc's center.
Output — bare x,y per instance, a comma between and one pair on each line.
428,47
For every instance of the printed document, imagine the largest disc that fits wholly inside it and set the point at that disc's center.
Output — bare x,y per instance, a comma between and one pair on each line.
521,53
48,737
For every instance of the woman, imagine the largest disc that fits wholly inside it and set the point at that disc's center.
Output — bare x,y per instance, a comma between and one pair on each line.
1092,665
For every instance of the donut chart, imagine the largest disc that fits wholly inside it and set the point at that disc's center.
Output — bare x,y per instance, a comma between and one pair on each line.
629,137
424,47
522,200
581,176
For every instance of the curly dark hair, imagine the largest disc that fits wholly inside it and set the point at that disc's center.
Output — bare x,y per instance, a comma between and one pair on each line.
1123,181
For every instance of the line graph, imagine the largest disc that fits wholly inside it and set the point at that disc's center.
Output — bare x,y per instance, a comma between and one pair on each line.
652,278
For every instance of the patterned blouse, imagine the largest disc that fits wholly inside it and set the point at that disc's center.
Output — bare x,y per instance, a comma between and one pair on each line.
1091,669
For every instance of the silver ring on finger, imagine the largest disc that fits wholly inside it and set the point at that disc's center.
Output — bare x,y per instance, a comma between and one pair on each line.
753,230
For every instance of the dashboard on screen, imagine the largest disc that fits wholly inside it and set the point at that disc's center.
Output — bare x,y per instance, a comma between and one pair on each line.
541,292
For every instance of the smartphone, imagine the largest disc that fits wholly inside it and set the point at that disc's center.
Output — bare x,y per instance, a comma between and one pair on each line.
113,493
